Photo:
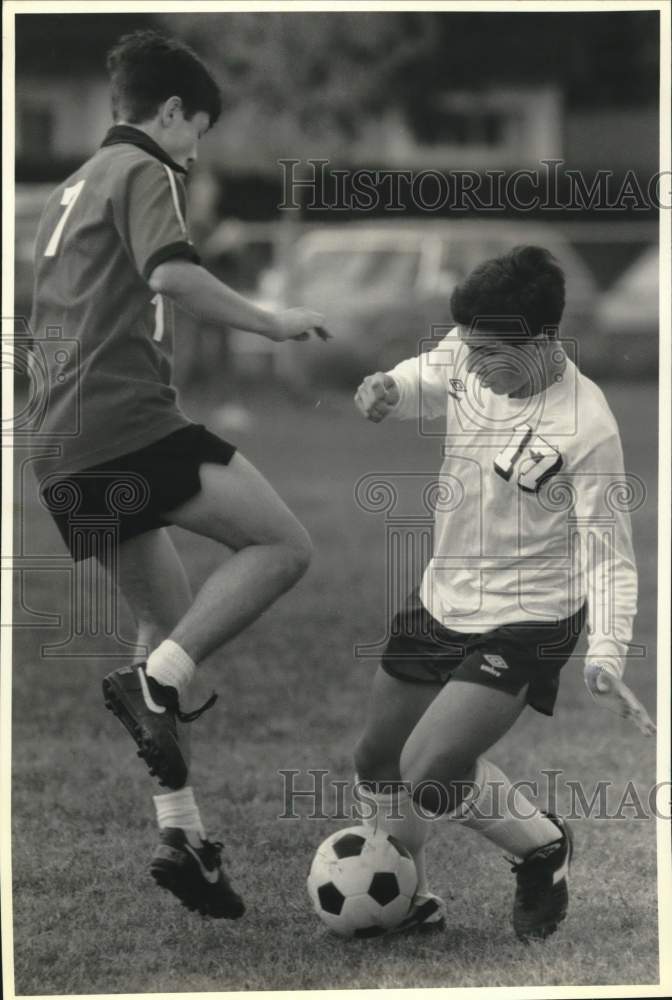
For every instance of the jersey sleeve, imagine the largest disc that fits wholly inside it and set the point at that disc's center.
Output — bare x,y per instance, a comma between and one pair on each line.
608,564
422,381
150,212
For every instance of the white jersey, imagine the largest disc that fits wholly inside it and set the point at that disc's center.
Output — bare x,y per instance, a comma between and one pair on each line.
532,511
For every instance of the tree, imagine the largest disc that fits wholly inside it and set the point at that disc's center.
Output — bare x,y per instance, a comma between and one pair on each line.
307,80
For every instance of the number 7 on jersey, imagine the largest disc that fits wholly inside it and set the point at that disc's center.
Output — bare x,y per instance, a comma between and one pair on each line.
70,196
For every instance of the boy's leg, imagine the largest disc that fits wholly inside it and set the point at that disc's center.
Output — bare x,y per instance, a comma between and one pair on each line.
444,752
271,550
394,709
150,575
154,583
395,706
238,507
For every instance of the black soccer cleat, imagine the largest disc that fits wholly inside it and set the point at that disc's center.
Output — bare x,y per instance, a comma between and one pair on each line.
427,914
149,711
542,896
195,875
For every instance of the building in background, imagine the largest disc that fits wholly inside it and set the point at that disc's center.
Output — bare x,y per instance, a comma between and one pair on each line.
395,90
580,86
62,93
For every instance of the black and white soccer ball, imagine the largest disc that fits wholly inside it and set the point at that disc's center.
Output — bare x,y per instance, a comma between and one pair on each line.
362,882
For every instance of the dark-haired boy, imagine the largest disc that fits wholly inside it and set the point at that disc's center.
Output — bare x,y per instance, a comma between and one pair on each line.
113,256
522,555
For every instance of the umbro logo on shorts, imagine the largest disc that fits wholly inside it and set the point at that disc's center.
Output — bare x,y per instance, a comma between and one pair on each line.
494,664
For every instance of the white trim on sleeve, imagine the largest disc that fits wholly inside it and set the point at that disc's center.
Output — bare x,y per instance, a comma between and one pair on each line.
176,200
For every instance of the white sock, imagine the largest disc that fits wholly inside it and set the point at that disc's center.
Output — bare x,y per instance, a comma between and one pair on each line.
395,813
502,814
179,809
420,867
169,664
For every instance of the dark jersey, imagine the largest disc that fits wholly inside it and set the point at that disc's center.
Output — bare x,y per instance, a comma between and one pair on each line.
100,236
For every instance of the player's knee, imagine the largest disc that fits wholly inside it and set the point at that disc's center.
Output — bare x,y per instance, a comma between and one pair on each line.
364,761
289,557
294,554
372,765
440,765
438,780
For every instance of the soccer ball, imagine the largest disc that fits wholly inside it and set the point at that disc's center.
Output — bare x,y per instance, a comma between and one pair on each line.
362,882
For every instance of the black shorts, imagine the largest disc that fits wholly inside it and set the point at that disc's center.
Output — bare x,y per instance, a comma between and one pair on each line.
107,504
422,651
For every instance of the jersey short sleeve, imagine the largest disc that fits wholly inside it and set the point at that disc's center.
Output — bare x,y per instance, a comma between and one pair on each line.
151,217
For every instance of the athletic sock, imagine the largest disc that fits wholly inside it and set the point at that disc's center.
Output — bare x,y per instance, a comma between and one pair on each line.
420,867
179,809
169,664
502,814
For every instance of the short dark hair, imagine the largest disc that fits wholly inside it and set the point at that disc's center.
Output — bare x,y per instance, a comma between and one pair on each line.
146,68
525,284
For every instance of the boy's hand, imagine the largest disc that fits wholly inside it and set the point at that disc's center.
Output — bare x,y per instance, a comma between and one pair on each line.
608,690
376,396
297,324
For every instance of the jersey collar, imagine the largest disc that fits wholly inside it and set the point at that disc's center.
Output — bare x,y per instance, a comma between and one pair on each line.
136,137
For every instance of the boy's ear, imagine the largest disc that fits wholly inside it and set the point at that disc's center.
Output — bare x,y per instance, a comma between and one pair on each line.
169,109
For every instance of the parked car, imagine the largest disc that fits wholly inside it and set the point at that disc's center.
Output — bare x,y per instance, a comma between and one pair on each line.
385,286
627,316
245,256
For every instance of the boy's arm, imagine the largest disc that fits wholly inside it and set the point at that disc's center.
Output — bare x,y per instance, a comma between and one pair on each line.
414,388
603,522
200,293
603,518
149,211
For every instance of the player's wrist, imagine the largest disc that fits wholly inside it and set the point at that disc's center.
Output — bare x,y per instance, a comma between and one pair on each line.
270,325
605,650
609,664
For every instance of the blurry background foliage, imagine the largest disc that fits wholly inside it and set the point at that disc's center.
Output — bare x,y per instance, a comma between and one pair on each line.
407,90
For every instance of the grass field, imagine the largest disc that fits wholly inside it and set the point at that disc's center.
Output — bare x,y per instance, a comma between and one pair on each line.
87,917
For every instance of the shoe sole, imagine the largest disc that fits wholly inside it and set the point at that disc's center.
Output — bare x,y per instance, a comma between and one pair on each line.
428,927
147,748
420,924
540,933
166,878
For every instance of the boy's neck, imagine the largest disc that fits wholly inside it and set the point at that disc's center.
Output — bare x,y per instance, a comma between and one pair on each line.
149,128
